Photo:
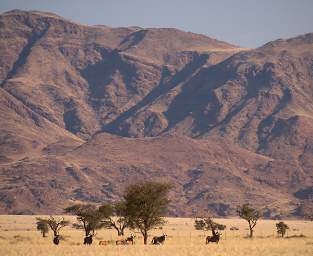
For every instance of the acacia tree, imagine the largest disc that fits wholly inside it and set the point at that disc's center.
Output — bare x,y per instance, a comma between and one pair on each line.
146,203
281,228
42,226
199,224
55,224
249,214
208,224
89,217
116,216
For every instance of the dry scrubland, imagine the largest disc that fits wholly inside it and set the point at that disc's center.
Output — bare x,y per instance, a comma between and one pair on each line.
19,237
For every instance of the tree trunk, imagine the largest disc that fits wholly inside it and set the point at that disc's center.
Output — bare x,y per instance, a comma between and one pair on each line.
43,234
251,232
145,237
120,230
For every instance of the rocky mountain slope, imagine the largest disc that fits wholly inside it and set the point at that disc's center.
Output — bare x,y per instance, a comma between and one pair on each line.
86,110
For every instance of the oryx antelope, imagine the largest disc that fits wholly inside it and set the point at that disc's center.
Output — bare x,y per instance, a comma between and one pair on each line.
213,239
128,240
158,239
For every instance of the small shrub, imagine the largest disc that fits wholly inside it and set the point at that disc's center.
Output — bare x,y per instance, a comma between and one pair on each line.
281,228
42,226
220,226
208,224
199,224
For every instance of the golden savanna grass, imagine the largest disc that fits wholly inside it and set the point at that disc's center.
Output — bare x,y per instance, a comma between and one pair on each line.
18,236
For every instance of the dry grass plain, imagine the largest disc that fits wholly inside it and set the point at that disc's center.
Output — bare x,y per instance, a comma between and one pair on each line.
18,236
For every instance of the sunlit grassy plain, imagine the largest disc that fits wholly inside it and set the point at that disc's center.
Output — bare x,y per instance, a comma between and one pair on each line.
18,236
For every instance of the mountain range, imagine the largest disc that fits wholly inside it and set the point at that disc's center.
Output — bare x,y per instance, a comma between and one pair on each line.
87,110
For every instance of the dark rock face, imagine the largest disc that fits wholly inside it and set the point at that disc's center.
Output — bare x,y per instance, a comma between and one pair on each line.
226,125
305,193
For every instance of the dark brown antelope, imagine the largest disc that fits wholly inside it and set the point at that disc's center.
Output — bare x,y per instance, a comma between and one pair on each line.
56,239
120,242
88,240
157,240
213,239
130,239
105,242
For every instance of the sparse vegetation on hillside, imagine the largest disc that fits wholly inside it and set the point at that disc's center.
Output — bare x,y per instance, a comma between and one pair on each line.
308,212
202,111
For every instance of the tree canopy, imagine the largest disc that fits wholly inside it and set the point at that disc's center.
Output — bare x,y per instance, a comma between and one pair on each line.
42,226
208,224
116,216
249,214
89,217
55,224
146,203
281,228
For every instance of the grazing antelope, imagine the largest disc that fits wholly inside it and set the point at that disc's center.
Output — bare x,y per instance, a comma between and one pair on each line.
213,239
130,239
56,240
157,240
88,240
121,242
126,241
104,242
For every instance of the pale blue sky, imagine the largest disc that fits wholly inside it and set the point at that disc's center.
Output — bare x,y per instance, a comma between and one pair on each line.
248,23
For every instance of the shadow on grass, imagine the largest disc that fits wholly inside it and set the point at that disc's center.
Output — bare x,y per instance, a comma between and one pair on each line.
295,236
